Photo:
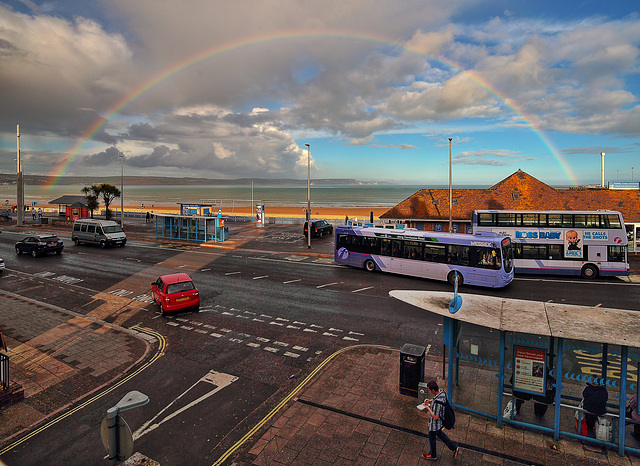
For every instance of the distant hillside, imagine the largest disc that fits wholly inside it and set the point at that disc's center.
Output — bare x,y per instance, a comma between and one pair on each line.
35,180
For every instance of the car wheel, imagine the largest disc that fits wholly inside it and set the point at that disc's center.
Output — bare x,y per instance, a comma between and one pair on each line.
451,278
196,308
76,241
103,244
18,251
369,265
34,253
589,271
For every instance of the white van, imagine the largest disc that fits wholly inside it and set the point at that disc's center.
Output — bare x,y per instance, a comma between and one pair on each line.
102,232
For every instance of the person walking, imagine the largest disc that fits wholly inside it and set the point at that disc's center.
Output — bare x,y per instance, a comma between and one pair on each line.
435,409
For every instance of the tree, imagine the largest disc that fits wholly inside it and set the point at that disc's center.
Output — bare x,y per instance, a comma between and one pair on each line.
92,198
107,192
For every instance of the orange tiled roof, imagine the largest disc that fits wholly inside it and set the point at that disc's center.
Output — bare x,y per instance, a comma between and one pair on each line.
530,194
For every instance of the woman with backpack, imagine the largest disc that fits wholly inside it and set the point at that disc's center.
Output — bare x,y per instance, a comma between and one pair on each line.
436,409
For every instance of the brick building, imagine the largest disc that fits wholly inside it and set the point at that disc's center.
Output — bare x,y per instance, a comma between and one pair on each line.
428,209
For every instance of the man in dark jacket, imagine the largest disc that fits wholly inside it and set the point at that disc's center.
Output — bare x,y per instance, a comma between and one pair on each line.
595,398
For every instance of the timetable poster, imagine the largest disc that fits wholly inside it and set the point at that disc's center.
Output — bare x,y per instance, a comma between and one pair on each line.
529,369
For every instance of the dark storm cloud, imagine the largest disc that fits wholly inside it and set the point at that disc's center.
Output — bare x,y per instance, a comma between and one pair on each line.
101,159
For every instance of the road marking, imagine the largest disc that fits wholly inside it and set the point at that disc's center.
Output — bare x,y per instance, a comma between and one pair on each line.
68,280
295,258
292,281
260,277
122,293
335,330
327,284
44,274
350,339
271,350
204,270
232,273
362,289
300,348
291,355
217,379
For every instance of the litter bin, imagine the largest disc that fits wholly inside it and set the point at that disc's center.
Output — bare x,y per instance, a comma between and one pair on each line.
411,369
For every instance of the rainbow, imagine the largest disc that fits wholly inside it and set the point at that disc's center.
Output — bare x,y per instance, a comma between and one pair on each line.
63,167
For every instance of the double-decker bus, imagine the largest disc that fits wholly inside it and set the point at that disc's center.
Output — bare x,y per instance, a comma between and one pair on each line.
587,243
482,260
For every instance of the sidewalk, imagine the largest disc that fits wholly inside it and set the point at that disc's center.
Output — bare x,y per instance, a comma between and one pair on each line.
57,358
351,413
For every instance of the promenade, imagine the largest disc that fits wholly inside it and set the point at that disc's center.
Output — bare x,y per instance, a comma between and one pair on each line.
346,411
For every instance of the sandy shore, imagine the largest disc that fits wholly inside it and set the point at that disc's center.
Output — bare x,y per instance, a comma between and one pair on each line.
337,213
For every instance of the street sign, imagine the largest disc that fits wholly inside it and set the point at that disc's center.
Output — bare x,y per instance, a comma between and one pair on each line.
125,438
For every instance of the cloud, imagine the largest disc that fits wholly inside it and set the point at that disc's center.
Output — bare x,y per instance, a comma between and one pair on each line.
489,157
394,146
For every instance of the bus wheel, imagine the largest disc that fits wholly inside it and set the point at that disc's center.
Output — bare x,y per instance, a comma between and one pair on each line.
369,265
589,271
451,278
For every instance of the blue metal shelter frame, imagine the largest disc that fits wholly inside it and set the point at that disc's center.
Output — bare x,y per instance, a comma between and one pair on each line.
191,228
451,337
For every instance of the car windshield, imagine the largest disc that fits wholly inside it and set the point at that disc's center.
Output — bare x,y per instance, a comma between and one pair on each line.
178,287
112,229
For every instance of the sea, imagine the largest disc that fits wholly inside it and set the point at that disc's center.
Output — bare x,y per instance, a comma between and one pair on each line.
356,195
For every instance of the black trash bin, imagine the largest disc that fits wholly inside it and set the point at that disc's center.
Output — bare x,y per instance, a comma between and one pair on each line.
411,369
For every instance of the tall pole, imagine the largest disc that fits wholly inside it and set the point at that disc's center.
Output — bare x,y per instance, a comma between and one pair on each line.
308,196
121,155
602,170
19,182
450,192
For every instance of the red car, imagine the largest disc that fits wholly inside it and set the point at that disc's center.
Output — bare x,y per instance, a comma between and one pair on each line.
175,292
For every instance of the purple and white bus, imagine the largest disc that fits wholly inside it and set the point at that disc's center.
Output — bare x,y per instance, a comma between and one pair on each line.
480,260
587,243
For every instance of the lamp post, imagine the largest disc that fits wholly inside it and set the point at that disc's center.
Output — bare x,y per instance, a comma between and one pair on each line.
20,182
121,155
308,196
450,192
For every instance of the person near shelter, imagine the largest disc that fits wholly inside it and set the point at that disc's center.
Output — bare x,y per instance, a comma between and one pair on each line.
39,212
632,412
33,213
542,402
594,402
148,217
435,409
520,397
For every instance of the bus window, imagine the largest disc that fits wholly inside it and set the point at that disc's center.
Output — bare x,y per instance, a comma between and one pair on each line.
593,221
433,253
413,250
555,220
616,253
529,220
385,247
486,219
613,221
458,255
396,248
487,258
580,220
534,251
370,245
555,251
506,219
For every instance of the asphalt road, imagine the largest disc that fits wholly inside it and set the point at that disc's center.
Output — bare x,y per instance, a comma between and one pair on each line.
265,316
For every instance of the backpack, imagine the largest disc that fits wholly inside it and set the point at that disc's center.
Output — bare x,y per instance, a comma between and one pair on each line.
449,417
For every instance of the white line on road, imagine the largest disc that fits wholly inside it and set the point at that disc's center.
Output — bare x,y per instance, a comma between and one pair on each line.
292,281
261,276
232,273
362,289
327,284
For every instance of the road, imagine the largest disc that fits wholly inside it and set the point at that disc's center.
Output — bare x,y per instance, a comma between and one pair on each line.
266,319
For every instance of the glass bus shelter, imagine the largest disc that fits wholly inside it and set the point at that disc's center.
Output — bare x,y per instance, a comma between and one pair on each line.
191,228
505,350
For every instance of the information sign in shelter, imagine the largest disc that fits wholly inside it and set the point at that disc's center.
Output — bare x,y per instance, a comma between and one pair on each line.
529,370
260,215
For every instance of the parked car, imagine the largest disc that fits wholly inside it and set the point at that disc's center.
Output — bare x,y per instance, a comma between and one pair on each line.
318,228
175,292
40,244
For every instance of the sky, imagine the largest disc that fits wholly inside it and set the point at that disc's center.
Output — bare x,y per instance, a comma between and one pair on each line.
380,90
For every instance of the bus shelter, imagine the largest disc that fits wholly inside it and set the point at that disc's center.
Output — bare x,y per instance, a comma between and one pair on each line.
191,228
502,353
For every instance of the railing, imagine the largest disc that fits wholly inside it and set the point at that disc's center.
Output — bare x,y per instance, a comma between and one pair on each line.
4,371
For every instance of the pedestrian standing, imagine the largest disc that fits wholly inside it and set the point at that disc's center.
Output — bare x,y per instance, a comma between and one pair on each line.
148,217
435,409
33,213
39,212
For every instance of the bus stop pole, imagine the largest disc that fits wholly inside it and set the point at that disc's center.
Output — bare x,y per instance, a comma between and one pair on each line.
556,412
623,399
451,343
501,377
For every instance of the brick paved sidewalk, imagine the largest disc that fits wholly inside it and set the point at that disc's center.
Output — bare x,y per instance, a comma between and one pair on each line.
58,357
351,413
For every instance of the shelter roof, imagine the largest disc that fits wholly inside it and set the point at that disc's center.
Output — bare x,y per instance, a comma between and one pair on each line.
68,199
585,323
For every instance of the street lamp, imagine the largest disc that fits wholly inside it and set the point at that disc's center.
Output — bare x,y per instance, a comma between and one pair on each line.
121,155
450,191
308,196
